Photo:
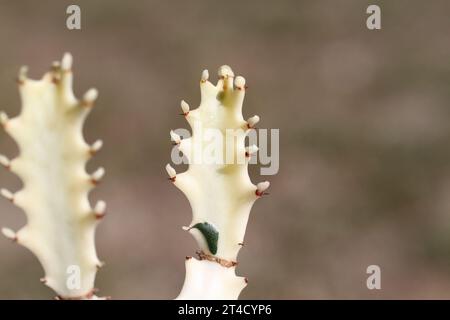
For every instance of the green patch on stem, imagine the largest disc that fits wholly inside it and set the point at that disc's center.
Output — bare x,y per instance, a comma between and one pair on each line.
210,233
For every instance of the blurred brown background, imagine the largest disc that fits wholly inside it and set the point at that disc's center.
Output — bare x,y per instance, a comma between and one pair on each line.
364,125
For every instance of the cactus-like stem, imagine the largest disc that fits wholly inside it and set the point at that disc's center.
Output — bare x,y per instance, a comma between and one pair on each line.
220,192
61,223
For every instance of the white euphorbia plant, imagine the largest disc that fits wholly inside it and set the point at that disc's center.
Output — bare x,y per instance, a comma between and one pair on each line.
61,223
221,193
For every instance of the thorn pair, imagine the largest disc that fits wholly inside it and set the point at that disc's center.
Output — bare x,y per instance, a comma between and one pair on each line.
252,121
225,72
97,175
261,188
100,210
251,150
22,76
89,98
239,83
171,172
205,76
176,139
66,62
95,147
4,118
4,161
185,108
7,194
10,234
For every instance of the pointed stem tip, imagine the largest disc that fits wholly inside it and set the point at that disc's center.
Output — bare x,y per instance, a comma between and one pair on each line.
171,172
10,234
4,118
176,139
100,209
225,72
251,122
4,161
7,194
97,175
66,62
251,150
184,107
89,97
205,76
239,83
22,75
96,146
261,188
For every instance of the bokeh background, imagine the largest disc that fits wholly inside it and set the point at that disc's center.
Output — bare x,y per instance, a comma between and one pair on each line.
364,125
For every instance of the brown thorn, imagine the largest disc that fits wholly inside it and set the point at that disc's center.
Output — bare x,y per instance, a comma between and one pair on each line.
260,194
188,257
172,179
100,216
241,244
246,280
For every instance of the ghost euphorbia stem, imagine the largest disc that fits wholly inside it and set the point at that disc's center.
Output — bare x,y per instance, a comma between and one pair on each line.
217,186
61,223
